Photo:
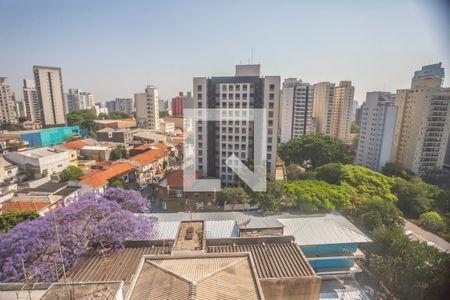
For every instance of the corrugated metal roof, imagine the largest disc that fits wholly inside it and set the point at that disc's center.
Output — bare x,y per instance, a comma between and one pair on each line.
322,229
213,229
205,277
221,229
119,265
277,260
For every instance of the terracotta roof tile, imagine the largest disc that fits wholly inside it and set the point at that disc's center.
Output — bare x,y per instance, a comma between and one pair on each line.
25,206
98,179
150,156
74,145
176,177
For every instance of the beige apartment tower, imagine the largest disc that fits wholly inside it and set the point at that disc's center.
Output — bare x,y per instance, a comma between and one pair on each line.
423,125
342,111
49,88
8,112
322,112
147,108
31,101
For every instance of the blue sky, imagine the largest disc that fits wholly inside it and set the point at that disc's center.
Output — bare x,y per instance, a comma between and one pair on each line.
115,48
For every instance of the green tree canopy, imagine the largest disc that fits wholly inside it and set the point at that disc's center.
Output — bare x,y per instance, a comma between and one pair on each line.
274,199
117,182
233,195
71,173
368,183
374,213
332,173
432,221
119,152
413,198
396,170
312,151
9,219
315,195
294,172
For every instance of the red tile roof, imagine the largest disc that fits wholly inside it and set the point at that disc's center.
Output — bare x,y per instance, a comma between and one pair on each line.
100,178
143,147
151,156
25,206
176,178
74,145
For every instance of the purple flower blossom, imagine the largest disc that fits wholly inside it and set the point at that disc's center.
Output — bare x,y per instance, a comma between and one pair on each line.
128,199
90,224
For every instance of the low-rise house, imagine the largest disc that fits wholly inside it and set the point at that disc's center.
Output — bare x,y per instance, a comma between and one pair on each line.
10,142
193,266
99,180
123,136
329,241
58,193
40,162
151,164
8,171
97,152
174,198
148,136
39,207
167,127
117,124
73,149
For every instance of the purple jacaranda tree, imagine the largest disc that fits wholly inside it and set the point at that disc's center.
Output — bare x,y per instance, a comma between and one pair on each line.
128,199
40,247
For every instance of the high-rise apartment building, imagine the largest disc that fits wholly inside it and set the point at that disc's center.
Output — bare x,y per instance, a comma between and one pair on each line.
218,140
177,105
77,99
323,107
31,101
147,108
52,107
423,124
296,109
8,112
342,111
125,105
376,137
111,106
434,71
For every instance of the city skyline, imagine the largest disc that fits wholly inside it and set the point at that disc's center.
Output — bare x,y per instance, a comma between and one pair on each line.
151,44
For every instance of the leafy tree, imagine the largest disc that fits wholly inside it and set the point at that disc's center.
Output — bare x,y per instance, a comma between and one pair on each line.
130,200
273,199
102,116
90,224
9,219
312,151
396,170
233,195
294,172
368,183
374,213
314,195
438,177
441,201
88,124
410,269
119,152
412,197
432,221
117,115
163,114
22,119
331,173
354,128
74,119
117,182
71,173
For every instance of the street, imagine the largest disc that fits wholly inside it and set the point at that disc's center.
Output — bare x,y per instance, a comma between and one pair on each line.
426,236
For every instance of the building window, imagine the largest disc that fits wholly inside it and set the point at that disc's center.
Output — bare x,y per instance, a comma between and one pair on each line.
272,87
